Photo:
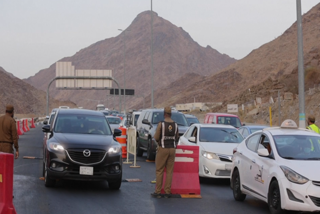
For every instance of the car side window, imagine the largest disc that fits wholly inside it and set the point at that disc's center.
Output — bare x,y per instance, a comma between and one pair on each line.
245,133
150,117
253,142
146,115
195,133
241,130
265,143
189,132
210,119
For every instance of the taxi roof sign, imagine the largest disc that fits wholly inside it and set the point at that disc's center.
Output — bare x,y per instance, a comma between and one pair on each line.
289,124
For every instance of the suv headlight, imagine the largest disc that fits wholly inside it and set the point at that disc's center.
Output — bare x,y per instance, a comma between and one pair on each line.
56,147
114,149
209,155
293,176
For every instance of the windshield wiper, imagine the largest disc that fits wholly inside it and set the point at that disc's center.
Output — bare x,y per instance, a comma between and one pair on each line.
313,159
291,158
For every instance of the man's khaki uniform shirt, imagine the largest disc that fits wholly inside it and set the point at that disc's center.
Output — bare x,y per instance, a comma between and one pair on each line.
8,131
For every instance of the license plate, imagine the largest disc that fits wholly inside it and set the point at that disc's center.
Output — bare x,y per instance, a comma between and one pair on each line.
228,167
86,170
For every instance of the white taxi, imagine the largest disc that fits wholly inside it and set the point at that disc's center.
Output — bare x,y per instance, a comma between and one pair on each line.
279,166
216,143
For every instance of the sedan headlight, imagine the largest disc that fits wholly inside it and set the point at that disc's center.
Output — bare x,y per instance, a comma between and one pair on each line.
293,176
114,150
56,147
209,155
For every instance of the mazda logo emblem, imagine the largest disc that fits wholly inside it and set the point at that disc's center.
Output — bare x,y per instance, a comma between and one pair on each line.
86,153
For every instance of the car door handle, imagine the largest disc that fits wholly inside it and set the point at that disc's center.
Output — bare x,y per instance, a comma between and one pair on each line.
253,161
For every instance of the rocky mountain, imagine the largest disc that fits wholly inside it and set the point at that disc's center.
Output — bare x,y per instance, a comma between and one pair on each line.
271,67
25,98
175,54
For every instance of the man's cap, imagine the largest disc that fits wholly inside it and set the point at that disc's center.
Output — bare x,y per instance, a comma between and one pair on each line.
167,110
9,108
311,118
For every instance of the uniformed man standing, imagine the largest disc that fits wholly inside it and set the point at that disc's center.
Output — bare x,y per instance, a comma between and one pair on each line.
311,125
8,132
167,136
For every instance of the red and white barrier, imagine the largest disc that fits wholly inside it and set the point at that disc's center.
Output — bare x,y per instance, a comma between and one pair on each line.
27,125
24,126
32,123
6,183
185,179
19,131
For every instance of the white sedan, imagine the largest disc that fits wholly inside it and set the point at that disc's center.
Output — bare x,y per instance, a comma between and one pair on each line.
279,166
216,143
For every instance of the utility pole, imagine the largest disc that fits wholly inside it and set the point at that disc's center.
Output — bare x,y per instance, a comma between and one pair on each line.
152,86
302,116
124,69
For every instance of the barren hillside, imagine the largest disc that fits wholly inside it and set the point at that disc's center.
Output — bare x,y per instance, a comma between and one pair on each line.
175,54
25,98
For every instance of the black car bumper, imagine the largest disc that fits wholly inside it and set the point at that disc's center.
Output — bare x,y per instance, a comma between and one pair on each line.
62,167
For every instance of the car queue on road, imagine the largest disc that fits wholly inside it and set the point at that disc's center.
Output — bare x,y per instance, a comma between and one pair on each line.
274,164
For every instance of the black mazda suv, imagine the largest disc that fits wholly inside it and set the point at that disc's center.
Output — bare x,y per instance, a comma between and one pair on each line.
81,146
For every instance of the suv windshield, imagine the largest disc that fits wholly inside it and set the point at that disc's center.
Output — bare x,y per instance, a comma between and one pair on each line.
179,118
208,134
233,121
82,124
192,120
114,120
299,147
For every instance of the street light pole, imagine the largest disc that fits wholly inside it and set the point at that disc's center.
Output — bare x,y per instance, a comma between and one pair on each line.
124,70
152,87
302,116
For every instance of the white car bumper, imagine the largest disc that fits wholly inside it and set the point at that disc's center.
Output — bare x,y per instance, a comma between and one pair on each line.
305,197
214,168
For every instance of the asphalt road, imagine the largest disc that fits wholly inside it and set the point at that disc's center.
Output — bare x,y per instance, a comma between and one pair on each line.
32,197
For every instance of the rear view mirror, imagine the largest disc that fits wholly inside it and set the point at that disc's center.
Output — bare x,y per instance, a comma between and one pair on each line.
192,139
263,152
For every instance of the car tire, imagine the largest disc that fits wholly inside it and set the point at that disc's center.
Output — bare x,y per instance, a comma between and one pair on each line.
150,154
43,169
139,150
274,198
236,187
48,181
115,185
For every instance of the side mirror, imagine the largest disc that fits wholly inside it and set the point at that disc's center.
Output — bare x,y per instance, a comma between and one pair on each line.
46,128
263,152
45,122
145,121
117,132
213,122
243,124
192,139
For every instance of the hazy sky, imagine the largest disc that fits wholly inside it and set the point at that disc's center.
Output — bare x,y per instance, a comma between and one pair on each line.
36,33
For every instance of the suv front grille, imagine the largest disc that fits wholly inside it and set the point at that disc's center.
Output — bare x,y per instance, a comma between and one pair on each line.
76,155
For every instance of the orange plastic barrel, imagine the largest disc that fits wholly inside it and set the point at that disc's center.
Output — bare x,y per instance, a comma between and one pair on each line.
123,141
